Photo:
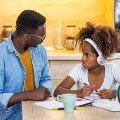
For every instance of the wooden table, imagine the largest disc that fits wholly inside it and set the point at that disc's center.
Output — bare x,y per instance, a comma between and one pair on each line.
33,112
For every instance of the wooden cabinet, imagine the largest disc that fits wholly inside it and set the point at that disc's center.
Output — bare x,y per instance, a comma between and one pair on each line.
59,70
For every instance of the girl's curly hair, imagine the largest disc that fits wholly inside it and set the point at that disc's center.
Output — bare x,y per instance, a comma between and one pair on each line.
105,38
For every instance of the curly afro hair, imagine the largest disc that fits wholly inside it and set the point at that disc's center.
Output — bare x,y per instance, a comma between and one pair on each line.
105,38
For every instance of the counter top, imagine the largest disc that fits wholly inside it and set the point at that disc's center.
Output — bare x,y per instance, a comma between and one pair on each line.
117,55
71,55
64,55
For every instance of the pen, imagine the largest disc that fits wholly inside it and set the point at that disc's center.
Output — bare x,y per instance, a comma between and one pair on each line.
58,109
76,108
79,108
83,82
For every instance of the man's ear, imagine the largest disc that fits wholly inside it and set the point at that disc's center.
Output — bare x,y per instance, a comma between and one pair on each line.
27,36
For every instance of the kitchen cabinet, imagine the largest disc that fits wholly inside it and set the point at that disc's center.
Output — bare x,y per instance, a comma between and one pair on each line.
61,62
60,69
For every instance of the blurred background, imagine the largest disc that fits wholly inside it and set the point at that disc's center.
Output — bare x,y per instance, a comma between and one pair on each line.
64,17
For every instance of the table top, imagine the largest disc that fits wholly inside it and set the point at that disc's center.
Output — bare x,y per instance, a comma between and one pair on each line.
33,112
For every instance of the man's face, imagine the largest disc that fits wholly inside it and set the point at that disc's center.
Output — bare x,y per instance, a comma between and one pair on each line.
37,37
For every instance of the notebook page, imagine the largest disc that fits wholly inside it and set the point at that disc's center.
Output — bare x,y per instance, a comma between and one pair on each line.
56,104
106,104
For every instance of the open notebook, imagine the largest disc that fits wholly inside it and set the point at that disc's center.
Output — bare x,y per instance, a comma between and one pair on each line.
55,104
111,105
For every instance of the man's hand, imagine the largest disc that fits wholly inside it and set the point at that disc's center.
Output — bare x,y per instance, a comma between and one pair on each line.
40,94
106,93
87,90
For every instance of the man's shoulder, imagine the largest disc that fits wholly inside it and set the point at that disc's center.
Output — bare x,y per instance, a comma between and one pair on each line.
41,49
3,47
2,44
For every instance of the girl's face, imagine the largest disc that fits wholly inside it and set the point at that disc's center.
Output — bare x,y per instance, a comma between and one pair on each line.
89,59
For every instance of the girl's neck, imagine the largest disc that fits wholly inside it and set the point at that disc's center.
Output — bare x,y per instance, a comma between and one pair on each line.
97,70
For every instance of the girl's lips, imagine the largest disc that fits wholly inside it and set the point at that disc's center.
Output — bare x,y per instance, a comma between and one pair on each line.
84,65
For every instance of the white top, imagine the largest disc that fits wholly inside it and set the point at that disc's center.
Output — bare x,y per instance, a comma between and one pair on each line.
112,75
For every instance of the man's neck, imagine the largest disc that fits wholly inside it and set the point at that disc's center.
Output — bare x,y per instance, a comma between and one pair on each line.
19,43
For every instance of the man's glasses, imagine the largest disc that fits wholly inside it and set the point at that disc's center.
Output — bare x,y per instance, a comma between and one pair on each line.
42,38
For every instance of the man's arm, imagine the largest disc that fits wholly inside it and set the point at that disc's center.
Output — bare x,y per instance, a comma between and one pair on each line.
42,92
46,79
38,94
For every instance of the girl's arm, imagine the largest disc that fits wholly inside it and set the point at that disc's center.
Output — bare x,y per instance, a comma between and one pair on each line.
65,86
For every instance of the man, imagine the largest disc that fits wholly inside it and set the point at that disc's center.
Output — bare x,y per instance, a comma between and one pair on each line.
24,70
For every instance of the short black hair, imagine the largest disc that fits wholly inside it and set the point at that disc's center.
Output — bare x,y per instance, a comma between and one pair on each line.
28,22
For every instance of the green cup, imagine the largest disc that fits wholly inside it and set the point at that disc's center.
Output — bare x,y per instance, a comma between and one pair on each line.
68,101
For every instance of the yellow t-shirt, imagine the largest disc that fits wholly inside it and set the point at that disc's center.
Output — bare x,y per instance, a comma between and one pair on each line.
27,62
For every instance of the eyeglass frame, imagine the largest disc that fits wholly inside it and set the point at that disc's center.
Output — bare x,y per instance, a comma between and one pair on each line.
42,38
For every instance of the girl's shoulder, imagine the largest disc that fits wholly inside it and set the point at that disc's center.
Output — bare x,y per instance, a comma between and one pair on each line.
112,66
80,67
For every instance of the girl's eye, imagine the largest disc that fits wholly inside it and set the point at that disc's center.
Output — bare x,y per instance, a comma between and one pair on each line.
87,54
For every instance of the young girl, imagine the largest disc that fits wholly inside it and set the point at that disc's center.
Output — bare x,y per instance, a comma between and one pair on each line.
94,75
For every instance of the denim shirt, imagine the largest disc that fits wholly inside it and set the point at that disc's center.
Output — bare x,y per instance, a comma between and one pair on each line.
13,74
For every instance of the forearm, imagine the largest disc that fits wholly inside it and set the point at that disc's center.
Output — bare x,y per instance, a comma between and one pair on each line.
61,90
40,93
18,97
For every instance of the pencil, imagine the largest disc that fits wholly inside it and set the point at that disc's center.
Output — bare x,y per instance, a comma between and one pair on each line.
83,82
76,108
79,108
58,109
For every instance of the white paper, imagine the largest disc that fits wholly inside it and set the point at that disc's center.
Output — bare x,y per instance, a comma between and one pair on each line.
92,97
56,104
106,104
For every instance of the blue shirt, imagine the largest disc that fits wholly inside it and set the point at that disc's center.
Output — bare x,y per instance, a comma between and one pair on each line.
13,73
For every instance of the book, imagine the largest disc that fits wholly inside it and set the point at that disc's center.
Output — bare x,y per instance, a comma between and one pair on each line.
52,105
111,105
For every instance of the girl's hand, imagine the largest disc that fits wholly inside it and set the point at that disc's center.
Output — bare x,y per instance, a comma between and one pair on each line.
87,90
106,93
